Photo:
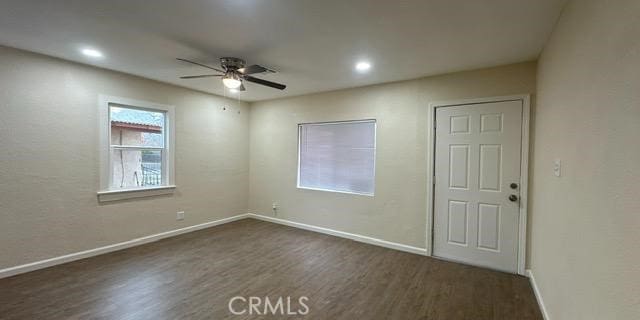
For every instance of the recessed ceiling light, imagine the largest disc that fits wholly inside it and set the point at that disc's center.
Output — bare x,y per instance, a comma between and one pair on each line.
93,53
363,66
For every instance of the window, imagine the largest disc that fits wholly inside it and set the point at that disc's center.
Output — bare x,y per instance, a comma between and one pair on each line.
137,147
337,156
136,154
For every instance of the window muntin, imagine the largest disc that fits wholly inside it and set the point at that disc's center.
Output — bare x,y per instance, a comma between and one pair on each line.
137,152
337,156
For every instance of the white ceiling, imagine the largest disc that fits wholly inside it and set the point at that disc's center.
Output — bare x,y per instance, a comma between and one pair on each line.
313,44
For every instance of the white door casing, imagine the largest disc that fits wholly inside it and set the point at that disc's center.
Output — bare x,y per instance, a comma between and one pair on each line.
477,158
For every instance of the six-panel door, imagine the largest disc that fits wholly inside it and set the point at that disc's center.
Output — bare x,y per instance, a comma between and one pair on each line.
477,159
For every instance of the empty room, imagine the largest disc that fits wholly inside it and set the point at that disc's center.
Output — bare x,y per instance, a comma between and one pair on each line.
308,159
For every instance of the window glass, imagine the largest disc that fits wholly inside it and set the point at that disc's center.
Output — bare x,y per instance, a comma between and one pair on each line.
134,127
137,147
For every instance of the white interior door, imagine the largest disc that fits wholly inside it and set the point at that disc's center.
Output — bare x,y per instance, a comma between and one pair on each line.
477,171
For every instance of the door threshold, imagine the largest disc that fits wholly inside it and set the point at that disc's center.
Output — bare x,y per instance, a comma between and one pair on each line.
471,264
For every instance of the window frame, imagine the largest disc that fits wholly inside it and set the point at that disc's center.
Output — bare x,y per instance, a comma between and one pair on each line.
375,150
106,193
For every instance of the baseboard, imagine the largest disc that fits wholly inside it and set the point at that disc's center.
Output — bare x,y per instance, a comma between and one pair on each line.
342,234
11,271
536,292
113,247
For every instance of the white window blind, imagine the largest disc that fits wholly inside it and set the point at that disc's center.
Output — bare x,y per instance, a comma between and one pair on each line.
338,156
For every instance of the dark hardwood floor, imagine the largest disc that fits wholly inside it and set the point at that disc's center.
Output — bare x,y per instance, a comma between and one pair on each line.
193,276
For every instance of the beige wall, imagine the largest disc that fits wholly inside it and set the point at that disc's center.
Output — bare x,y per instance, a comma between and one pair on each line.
397,213
586,241
49,159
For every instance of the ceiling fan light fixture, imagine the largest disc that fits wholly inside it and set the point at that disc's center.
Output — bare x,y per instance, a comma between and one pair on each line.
231,81
232,77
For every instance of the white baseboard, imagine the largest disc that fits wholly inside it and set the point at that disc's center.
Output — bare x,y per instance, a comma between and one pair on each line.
342,234
11,271
536,292
113,247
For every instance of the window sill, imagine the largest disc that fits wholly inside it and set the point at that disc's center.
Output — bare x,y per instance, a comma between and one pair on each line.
123,194
338,191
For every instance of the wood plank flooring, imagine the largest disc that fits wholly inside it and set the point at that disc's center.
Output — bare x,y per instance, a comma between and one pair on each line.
193,276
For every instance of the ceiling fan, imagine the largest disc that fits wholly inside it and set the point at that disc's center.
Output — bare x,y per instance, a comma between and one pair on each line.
234,72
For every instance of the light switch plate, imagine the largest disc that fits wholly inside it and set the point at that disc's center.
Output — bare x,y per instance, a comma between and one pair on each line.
557,166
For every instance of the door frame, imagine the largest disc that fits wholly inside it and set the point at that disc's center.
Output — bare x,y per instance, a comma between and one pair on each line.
524,167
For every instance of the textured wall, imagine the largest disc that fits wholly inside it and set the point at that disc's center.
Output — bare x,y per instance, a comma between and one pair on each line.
398,211
585,240
49,160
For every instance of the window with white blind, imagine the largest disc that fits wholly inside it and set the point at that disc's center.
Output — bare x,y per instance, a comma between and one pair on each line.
337,156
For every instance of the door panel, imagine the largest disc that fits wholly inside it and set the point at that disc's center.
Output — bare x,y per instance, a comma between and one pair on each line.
459,158
477,157
489,226
458,214
490,158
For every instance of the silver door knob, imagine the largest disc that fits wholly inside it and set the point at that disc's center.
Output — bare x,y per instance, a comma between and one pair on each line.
513,198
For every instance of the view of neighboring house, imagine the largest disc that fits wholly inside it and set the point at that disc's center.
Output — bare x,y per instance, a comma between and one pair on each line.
134,135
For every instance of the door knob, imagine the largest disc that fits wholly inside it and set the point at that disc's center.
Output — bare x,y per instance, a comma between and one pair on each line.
514,186
513,198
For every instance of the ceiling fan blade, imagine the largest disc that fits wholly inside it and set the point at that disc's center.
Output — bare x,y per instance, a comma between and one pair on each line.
253,69
201,76
200,64
265,82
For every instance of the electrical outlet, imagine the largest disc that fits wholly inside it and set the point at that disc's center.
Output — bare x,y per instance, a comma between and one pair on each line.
180,215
